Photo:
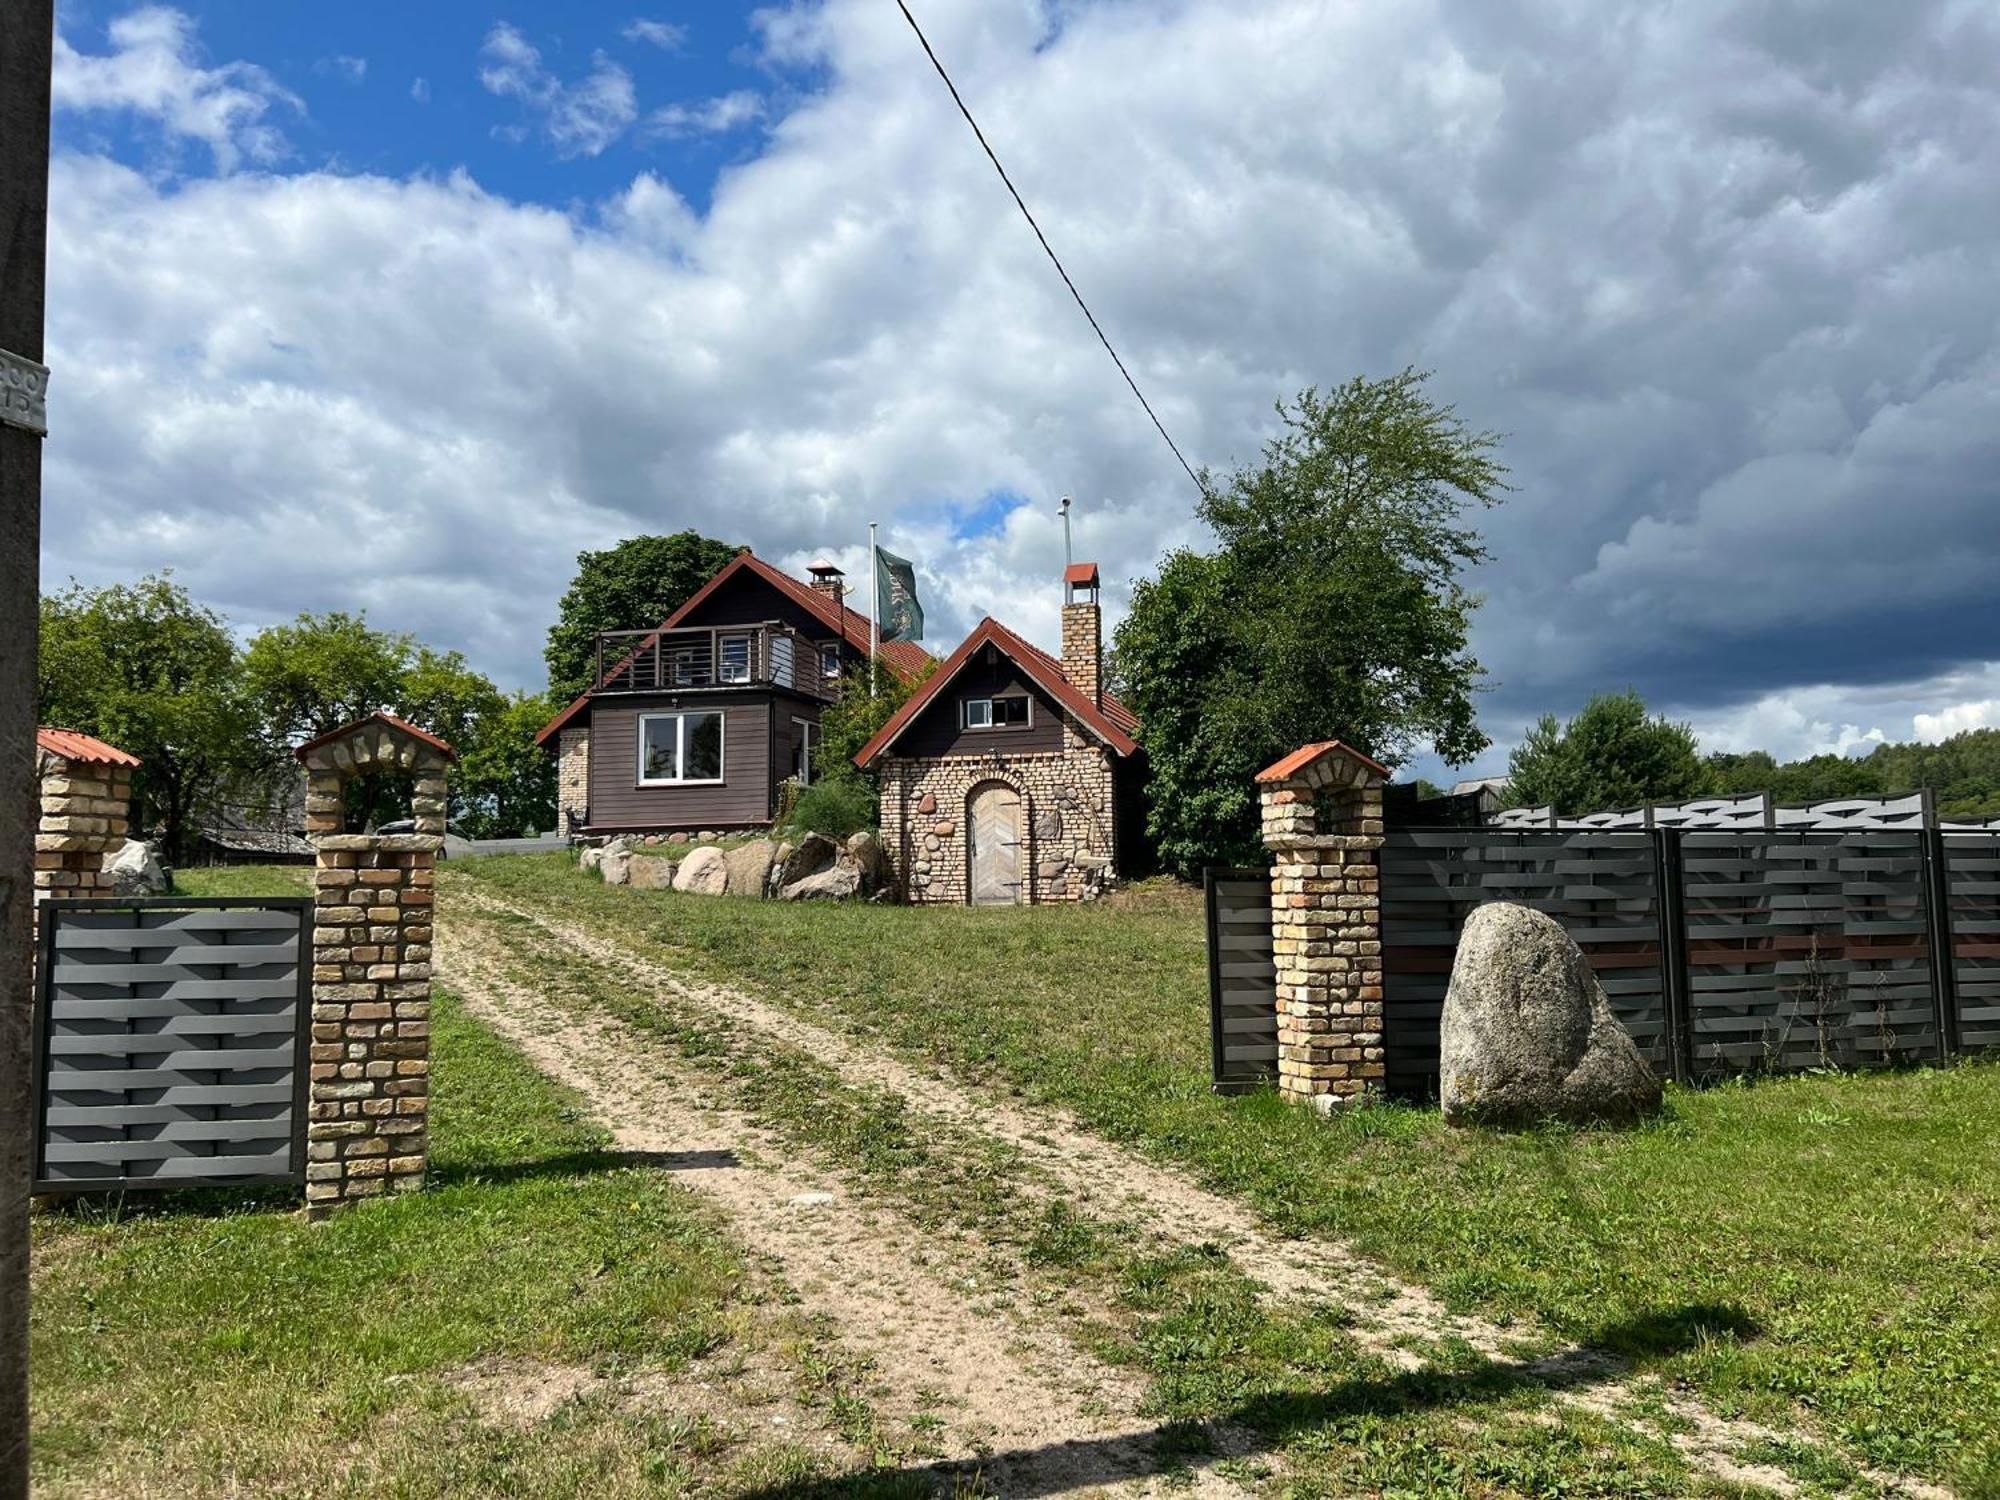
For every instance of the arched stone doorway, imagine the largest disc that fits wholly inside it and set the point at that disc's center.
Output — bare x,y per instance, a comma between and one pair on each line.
993,842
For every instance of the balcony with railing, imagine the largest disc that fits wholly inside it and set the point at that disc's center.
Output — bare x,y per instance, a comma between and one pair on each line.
729,656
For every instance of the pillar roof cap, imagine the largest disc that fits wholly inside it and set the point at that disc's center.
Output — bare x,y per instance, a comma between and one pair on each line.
71,744
1306,757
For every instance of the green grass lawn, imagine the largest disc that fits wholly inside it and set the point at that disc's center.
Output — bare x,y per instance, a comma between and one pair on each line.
1843,1230
214,1344
244,880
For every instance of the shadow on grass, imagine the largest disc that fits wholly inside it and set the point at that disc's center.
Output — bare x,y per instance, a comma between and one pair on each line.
1268,1421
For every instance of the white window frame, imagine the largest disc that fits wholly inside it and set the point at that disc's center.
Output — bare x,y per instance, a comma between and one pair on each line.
722,669
681,716
806,734
829,662
965,707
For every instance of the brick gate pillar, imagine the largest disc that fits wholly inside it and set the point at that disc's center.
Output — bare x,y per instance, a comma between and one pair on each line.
1322,810
369,1092
86,793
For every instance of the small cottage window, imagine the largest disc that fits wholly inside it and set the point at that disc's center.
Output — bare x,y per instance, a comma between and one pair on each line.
805,750
1010,712
829,663
678,748
735,659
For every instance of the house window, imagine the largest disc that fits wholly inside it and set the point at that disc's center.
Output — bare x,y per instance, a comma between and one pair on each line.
679,748
683,665
735,659
829,664
1010,712
805,750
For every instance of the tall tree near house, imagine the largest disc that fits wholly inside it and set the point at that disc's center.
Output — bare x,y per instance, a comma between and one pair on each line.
632,586
1612,754
505,784
322,672
145,667
1333,608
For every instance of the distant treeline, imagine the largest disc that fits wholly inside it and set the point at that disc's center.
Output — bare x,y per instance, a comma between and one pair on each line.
1963,773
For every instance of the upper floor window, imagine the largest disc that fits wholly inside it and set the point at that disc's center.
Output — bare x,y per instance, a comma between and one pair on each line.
829,663
1010,712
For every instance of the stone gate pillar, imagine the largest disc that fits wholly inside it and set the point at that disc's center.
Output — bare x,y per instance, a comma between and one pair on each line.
1322,809
86,792
369,1092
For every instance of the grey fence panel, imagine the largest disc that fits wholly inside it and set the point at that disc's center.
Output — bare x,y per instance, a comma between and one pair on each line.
1242,980
1807,950
1972,864
171,1042
1600,886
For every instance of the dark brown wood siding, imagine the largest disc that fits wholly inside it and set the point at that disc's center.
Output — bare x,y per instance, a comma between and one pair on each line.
742,797
936,730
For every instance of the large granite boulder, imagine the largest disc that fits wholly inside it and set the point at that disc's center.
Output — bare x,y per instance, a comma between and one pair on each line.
705,872
834,883
749,867
1528,1034
865,853
649,872
615,866
810,855
134,872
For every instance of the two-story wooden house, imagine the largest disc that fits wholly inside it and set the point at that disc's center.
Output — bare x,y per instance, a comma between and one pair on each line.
694,725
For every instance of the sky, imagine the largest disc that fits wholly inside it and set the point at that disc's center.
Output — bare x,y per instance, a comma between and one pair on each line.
397,308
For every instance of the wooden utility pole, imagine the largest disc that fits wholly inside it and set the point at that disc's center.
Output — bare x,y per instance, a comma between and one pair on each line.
27,31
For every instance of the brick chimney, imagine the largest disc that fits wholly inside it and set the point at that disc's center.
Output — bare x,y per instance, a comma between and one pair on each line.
1083,632
827,579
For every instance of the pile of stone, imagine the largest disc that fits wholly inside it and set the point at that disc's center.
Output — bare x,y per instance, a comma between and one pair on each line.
815,868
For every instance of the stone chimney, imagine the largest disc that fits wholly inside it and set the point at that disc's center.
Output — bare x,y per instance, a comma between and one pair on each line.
827,579
1083,632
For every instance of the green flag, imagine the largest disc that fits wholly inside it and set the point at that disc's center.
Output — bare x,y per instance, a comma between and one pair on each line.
899,615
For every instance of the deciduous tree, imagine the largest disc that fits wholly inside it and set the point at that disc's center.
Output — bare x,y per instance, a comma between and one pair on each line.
632,586
1333,608
1611,754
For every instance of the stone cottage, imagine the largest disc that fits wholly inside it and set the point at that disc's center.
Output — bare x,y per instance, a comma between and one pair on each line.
1011,777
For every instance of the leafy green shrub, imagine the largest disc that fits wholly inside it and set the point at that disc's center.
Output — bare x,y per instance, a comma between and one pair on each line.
835,805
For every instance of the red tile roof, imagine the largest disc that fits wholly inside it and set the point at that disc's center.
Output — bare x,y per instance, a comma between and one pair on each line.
73,745
905,658
1083,575
378,717
1305,755
1112,723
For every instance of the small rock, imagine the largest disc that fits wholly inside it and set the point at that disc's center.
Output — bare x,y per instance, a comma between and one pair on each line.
835,884
865,852
815,852
134,871
927,804
615,868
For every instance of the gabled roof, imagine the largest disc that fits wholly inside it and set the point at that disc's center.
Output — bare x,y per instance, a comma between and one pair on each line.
1308,755
905,658
378,717
1113,723
87,749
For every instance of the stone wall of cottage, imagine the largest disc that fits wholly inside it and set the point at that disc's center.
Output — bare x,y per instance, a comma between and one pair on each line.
85,816
1067,813
368,1110
572,778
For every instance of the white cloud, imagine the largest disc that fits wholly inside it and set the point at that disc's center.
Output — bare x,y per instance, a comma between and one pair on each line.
729,111
349,69
153,70
1957,719
1728,279
420,90
668,36
580,118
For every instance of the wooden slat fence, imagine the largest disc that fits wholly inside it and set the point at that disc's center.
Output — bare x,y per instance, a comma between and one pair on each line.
1786,949
1242,981
170,1038
1600,886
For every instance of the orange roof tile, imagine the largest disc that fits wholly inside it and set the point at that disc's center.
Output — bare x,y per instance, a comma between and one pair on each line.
378,717
72,744
1305,755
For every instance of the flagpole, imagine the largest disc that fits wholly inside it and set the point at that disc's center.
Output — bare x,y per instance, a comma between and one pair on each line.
874,606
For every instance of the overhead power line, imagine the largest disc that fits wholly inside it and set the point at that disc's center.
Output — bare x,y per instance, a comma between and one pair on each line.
1054,260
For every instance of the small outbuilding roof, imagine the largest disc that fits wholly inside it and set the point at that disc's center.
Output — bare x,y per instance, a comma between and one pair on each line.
1306,755
1081,575
378,717
71,744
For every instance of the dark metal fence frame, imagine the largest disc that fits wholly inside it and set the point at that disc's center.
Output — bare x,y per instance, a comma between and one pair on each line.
1221,1080
51,911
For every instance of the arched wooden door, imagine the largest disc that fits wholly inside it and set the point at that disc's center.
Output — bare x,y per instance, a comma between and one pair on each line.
993,819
